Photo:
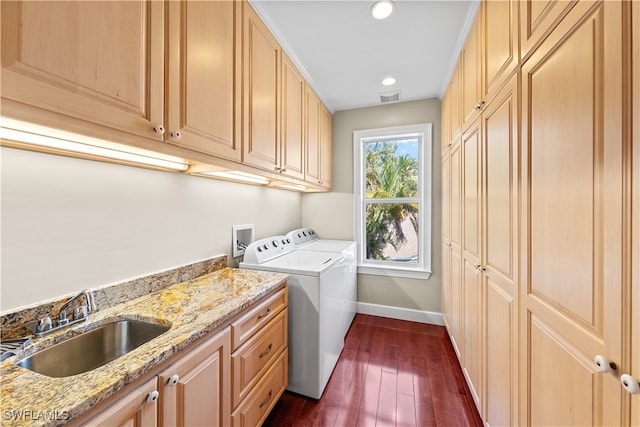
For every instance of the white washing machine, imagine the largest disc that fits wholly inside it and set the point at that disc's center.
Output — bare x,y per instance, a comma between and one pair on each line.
316,281
307,239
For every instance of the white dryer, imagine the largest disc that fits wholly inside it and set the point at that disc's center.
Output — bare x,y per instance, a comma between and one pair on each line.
307,239
315,284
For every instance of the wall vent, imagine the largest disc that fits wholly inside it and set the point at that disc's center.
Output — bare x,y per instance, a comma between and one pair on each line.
390,97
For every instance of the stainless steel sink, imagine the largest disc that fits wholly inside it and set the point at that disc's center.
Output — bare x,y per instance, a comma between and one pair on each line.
92,349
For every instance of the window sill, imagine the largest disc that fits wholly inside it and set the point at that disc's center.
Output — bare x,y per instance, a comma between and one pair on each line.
394,272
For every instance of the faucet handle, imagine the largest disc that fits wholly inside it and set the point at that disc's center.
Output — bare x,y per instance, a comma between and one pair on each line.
80,312
91,302
44,324
62,318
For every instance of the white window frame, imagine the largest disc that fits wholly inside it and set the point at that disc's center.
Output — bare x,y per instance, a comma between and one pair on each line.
421,270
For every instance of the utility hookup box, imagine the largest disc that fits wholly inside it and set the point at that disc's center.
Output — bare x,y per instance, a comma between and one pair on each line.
242,235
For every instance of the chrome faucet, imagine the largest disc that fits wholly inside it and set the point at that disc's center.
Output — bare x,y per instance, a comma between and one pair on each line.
80,312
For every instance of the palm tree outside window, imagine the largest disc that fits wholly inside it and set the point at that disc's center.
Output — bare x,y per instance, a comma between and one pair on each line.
392,190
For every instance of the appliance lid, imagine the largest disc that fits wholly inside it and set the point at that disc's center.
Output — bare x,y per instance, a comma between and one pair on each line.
306,263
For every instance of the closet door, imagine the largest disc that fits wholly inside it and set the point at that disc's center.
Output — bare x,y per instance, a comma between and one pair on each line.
455,326
446,239
500,261
471,267
572,229
635,206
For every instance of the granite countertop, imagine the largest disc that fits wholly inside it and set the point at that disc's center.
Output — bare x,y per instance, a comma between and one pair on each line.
192,308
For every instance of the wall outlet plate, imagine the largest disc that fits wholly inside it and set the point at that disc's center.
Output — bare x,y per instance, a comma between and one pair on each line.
241,236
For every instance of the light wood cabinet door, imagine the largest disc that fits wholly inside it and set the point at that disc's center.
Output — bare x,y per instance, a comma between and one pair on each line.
132,410
326,138
635,210
261,81
204,73
499,257
293,110
92,67
446,244
312,138
195,390
500,35
537,19
572,229
445,121
470,55
455,327
456,102
471,268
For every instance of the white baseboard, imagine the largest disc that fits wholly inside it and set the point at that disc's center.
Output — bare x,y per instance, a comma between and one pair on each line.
401,313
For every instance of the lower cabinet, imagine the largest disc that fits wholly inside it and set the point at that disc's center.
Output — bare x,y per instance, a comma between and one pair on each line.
253,410
259,362
194,389
234,377
137,407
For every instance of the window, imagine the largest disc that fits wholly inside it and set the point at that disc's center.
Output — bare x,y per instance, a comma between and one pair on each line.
392,190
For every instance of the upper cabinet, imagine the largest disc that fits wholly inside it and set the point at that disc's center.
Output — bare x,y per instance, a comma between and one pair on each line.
500,44
203,107
537,19
261,56
326,138
292,132
454,103
445,121
318,142
470,79
204,81
89,67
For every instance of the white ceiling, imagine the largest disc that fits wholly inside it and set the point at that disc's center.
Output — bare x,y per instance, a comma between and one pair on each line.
345,53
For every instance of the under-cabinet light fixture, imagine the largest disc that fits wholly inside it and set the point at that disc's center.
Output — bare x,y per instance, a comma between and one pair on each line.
296,187
66,142
237,176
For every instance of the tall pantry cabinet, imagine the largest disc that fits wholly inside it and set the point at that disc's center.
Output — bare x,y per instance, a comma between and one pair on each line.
634,299
547,186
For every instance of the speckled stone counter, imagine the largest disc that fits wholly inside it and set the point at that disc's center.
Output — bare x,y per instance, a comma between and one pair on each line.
192,308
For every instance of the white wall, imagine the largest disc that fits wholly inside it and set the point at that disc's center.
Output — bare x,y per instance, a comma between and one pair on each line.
69,224
331,214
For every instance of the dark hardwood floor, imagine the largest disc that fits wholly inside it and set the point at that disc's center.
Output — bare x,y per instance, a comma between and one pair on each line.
390,373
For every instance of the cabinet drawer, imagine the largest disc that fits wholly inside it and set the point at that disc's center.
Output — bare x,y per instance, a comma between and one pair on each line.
257,317
250,361
254,409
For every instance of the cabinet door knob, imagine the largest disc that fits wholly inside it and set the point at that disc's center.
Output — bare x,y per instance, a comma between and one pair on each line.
176,135
283,170
603,364
173,380
159,129
630,384
153,396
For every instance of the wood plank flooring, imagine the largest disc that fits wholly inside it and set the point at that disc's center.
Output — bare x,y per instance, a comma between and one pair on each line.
390,373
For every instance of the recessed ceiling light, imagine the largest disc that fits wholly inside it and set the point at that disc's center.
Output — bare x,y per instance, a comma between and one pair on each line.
389,81
382,9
